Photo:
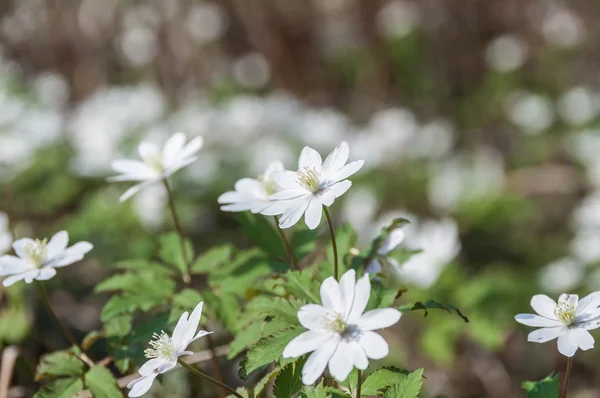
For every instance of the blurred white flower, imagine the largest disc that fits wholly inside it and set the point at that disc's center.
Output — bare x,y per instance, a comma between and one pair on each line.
398,18
560,275
533,113
138,46
433,140
359,208
393,239
148,206
252,70
52,89
569,321
439,243
206,22
339,334
5,234
252,194
585,146
314,185
37,259
587,213
506,53
166,350
156,165
323,128
585,247
577,106
563,28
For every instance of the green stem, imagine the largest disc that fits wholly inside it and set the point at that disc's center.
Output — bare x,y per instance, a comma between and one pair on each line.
333,242
199,373
568,376
186,275
215,361
358,383
84,357
287,244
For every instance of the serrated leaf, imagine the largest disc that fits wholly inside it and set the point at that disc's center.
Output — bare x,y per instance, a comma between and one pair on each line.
545,388
225,307
289,380
429,305
262,384
407,388
314,392
266,351
280,308
169,250
381,379
118,326
245,339
144,284
351,382
262,234
60,363
102,383
213,259
302,284
61,388
381,297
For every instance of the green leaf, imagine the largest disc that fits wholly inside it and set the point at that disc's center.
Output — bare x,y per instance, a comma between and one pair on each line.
280,308
381,379
345,238
407,388
226,308
351,382
304,240
381,297
245,339
118,326
60,363
61,388
289,380
262,384
102,383
429,305
144,265
145,284
266,351
314,392
127,304
213,259
169,250
262,233
303,285
187,299
546,388
91,338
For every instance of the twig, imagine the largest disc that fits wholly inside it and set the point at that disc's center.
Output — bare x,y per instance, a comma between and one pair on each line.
9,357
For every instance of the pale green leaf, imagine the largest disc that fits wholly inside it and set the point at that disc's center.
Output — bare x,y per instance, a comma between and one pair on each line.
267,350
545,388
213,259
60,363
381,379
169,250
61,388
101,382
407,388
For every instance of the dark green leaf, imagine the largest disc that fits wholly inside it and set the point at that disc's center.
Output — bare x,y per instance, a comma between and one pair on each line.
101,383
381,297
546,388
407,388
289,380
262,233
61,388
266,351
429,305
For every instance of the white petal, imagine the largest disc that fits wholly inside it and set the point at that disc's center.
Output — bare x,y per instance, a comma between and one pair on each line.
327,197
172,168
342,361
273,168
293,214
336,159
543,305
135,189
141,385
165,367
361,361
309,158
545,334
374,345
148,149
347,171
589,303
339,188
374,267
191,327
172,148
150,366
19,246
379,319
14,279
192,147
176,337
313,214
71,255
347,288
536,320
201,333
255,206
392,241
286,194
134,169
306,342
287,179
311,316
331,296
11,265
593,323
57,244
45,273
317,361
361,298
566,345
582,338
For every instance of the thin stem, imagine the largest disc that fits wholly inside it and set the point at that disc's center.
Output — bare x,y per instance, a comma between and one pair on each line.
215,361
64,330
333,242
203,375
186,276
358,383
287,244
568,376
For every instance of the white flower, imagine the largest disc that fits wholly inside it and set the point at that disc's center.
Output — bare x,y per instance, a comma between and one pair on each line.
314,185
569,320
340,335
156,165
5,235
166,351
391,242
252,194
37,259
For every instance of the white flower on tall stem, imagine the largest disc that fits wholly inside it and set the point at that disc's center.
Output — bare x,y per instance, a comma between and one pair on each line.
340,335
391,242
166,350
156,165
569,321
38,259
252,194
314,185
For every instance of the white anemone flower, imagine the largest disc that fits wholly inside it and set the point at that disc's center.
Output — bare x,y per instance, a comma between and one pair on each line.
38,259
340,335
166,350
252,194
314,185
569,321
391,242
156,165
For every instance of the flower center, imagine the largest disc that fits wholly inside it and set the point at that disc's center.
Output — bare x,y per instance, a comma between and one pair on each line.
565,310
36,252
309,179
162,346
269,185
154,161
335,323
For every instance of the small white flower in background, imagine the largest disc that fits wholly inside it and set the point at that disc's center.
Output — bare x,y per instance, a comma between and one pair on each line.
5,235
340,335
314,185
252,194
569,321
391,242
37,259
166,350
156,165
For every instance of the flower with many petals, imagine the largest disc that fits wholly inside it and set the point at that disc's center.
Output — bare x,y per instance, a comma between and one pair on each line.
166,350
38,259
569,321
314,185
156,165
252,194
339,334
